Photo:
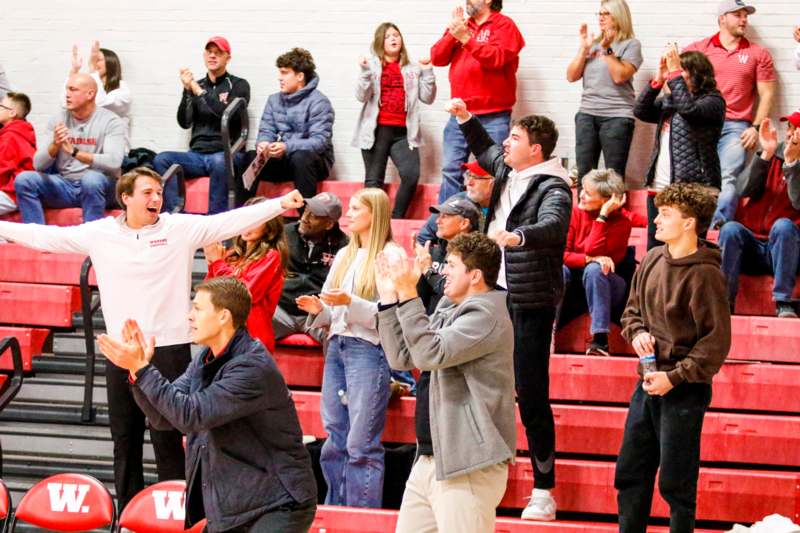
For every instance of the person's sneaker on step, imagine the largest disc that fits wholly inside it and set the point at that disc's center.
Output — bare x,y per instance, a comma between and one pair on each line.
541,506
599,345
785,310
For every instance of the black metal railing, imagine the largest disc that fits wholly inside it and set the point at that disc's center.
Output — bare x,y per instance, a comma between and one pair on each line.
175,172
12,386
89,307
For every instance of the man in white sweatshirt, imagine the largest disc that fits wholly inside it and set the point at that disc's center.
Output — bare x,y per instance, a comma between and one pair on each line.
143,262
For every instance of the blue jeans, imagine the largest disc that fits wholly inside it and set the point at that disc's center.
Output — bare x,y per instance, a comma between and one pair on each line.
604,292
355,393
779,256
456,151
196,165
610,136
36,190
732,157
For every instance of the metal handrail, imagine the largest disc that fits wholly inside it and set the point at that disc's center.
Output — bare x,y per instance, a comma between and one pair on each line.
15,383
88,309
237,109
175,171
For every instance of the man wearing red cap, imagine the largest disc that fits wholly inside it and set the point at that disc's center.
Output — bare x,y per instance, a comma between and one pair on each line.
765,238
201,108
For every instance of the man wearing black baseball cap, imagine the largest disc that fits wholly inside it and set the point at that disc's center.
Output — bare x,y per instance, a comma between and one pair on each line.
201,108
765,237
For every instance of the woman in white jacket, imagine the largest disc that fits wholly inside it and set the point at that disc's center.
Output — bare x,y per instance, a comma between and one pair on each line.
390,87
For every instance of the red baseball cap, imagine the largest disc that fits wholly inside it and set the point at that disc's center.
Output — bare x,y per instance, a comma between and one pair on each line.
221,42
794,119
476,169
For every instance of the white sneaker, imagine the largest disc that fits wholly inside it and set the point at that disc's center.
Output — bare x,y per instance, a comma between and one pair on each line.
541,506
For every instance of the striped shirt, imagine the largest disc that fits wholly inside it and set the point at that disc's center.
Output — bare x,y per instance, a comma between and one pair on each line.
737,71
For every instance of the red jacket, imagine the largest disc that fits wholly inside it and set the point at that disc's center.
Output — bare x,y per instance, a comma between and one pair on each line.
587,236
17,146
483,72
264,280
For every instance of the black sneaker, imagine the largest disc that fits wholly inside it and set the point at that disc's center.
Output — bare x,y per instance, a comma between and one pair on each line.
599,345
785,310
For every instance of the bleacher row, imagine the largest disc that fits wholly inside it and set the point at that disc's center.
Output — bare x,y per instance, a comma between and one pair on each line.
751,437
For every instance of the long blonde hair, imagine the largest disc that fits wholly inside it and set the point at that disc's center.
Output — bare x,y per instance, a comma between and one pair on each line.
273,239
380,234
621,14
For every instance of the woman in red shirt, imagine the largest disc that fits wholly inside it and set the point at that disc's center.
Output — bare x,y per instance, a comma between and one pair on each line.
258,258
597,241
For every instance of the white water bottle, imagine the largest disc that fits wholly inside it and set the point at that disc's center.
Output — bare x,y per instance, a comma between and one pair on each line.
648,362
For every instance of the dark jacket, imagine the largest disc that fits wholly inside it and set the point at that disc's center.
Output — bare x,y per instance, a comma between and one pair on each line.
244,446
430,286
204,113
695,128
541,216
307,273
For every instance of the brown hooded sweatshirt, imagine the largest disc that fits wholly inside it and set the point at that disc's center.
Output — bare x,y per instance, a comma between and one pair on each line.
683,304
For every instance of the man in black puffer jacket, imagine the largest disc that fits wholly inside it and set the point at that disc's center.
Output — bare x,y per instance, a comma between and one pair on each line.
528,217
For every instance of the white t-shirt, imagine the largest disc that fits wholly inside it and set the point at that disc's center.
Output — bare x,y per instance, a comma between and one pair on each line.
663,175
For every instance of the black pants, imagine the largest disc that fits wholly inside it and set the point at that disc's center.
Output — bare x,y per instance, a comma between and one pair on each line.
304,167
661,431
533,329
285,519
610,135
128,423
391,141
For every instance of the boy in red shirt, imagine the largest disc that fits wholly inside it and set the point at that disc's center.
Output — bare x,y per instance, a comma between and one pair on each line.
17,146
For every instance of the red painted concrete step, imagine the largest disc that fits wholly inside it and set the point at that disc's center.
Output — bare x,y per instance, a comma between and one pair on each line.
71,216
20,264
31,343
38,305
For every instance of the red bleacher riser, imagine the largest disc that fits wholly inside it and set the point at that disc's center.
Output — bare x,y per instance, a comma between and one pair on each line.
31,343
197,195
638,240
301,367
20,264
38,305
71,216
755,295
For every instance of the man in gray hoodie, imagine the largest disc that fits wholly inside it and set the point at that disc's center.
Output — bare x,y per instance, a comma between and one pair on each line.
467,435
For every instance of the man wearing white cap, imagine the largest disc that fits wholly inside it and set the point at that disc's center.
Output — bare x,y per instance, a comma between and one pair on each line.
743,71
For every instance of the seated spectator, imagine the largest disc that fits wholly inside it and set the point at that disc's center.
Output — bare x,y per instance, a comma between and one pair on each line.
17,145
765,238
606,64
296,129
5,86
80,164
113,92
479,185
313,242
689,120
391,87
258,258
466,432
243,437
201,108
597,241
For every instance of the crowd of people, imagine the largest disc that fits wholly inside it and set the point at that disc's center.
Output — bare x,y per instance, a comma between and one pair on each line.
503,259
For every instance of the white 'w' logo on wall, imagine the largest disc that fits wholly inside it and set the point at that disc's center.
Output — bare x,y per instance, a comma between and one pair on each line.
169,505
67,497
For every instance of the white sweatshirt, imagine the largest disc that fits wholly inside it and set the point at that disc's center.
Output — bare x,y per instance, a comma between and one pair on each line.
144,274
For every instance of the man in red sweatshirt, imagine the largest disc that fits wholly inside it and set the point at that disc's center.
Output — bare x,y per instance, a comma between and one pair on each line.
482,50
765,237
17,146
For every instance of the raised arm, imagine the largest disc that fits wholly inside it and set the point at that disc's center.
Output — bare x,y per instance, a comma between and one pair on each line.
67,239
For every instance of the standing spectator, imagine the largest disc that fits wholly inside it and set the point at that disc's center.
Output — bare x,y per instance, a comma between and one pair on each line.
677,311
479,191
390,87
247,468
5,85
528,218
744,71
84,156
201,108
258,258
604,123
690,121
355,383
143,262
17,145
597,242
483,53
797,50
468,430
296,129
113,92
765,237
313,242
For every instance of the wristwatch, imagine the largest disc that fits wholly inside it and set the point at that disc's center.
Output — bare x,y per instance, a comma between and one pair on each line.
74,151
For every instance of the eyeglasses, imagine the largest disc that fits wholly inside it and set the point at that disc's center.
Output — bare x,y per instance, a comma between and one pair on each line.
602,14
6,107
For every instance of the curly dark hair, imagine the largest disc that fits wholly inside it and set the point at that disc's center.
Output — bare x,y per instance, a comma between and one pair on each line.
701,72
692,200
299,60
541,130
496,5
476,250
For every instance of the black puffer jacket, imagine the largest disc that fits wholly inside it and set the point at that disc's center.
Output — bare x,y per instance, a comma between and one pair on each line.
695,128
534,269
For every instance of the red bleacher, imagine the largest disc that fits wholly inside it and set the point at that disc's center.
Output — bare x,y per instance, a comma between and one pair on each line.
38,305
71,216
31,343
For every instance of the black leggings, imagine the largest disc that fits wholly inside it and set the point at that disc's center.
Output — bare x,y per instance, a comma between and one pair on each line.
392,141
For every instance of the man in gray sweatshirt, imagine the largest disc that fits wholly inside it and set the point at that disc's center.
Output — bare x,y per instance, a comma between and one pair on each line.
80,164
468,435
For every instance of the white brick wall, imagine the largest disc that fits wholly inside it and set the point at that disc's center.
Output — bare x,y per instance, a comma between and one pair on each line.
154,42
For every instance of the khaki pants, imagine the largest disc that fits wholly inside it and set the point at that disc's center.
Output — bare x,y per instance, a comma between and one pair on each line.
464,504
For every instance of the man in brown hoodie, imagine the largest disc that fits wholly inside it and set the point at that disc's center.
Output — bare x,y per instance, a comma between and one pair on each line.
678,310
